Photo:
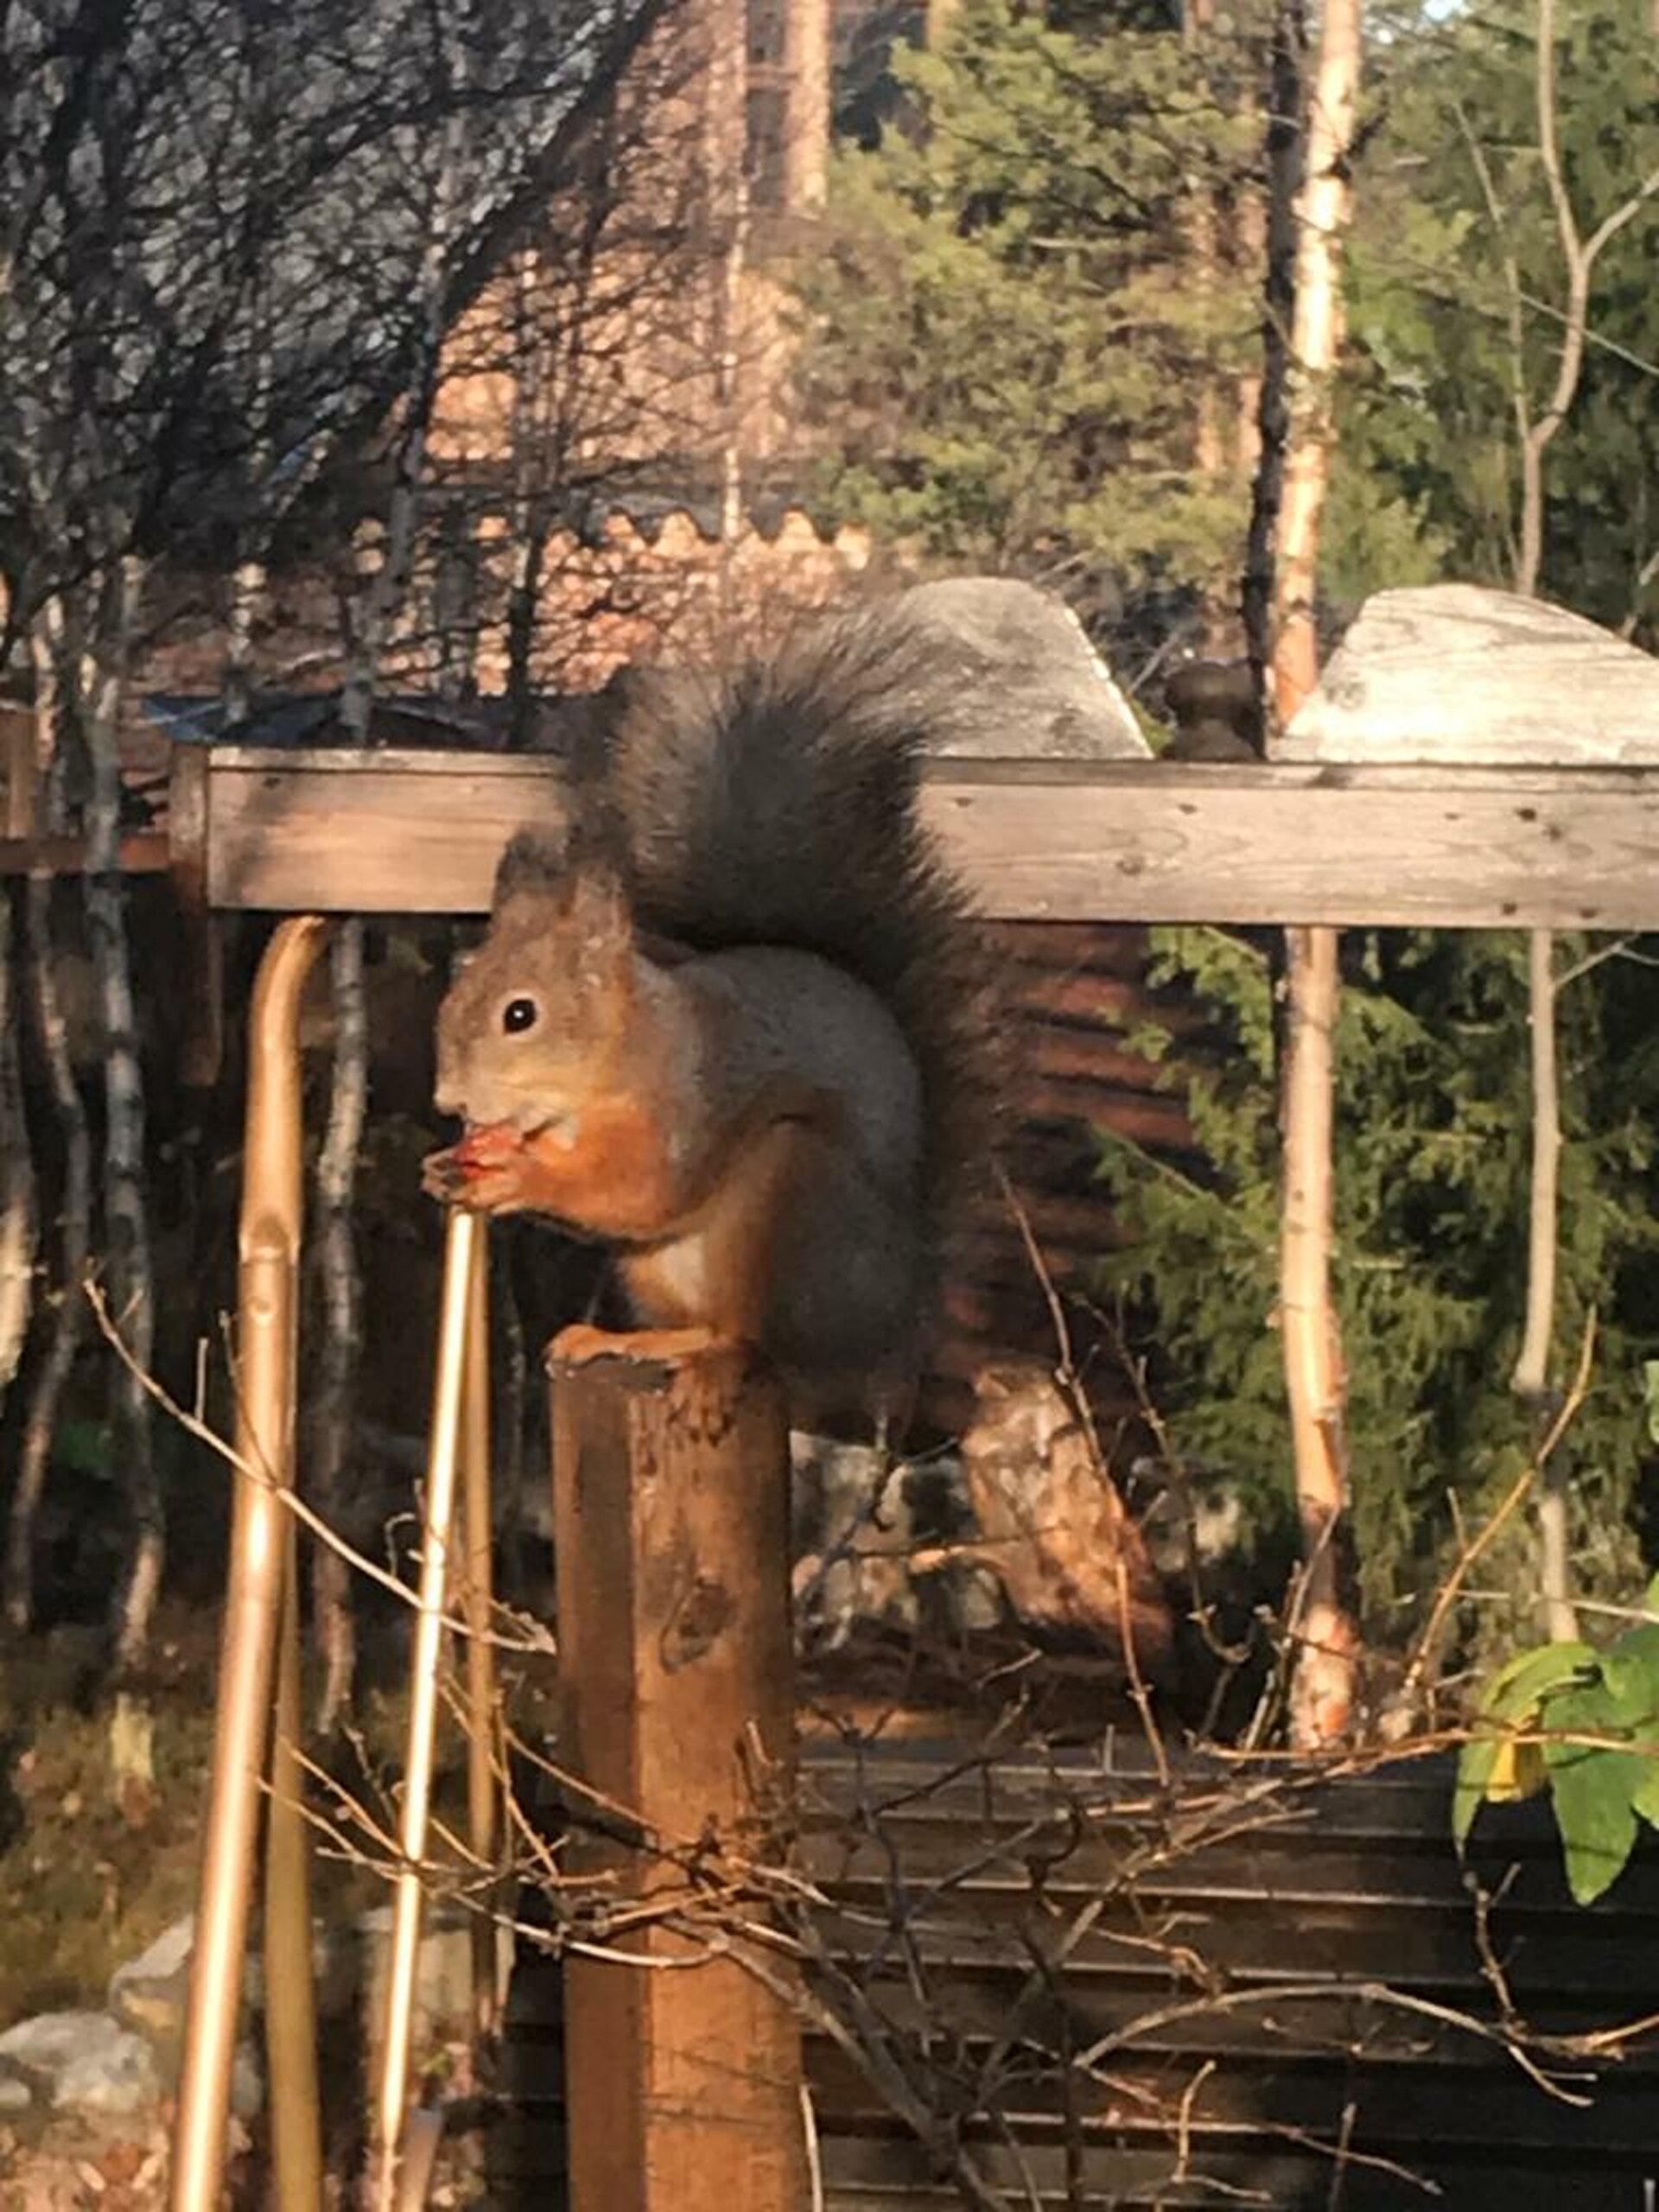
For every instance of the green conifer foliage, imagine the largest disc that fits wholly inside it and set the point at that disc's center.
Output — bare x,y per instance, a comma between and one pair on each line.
1023,295
1026,303
1428,483
1431,1155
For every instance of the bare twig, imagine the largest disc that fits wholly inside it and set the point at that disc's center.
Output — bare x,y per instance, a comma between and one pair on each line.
533,1637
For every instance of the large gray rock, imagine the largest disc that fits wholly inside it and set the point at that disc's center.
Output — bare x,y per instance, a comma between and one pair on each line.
443,1970
83,2063
1023,681
1456,673
149,1992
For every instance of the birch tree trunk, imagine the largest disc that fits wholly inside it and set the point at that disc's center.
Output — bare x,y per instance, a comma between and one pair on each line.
537,460
1530,1380
806,105
126,1213
726,171
65,1306
340,1348
1535,431
1323,1684
66,1302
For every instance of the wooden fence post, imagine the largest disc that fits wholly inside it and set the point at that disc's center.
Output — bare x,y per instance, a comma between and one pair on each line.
671,1520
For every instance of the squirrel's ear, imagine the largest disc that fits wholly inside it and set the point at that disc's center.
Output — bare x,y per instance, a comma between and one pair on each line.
594,903
544,863
566,884
536,861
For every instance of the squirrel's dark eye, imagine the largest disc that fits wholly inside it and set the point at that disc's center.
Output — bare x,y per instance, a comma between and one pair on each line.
519,1015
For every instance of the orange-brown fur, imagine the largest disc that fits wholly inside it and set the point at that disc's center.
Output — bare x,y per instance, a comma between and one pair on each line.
733,1241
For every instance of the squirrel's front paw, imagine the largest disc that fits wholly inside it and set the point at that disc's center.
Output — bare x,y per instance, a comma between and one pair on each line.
486,1171
441,1175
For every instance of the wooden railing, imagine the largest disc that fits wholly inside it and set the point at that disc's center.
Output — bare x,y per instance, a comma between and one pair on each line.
1123,841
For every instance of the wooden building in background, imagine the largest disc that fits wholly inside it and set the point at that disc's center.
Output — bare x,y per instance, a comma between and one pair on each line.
613,474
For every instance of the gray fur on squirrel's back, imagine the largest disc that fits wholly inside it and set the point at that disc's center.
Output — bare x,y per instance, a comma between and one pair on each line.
775,804
828,1031
853,1262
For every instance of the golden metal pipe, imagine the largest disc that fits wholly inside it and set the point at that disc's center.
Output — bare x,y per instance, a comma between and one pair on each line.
291,1994
269,1247
482,1733
461,1236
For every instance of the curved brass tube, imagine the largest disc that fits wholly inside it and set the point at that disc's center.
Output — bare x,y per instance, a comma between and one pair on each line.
268,1249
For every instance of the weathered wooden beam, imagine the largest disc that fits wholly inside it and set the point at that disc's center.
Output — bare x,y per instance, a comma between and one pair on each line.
671,1495
1122,841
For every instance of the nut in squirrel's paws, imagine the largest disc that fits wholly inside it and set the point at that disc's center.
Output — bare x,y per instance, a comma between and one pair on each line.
486,1171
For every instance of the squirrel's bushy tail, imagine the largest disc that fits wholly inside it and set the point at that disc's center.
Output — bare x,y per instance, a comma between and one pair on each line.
777,804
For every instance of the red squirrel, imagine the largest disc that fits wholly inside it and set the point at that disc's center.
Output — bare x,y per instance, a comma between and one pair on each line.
731,1022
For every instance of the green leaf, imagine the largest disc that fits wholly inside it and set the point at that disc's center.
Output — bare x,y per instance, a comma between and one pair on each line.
1650,1400
1518,1688
1497,1769
1593,1788
1491,1763
1645,1796
1631,1670
1475,1764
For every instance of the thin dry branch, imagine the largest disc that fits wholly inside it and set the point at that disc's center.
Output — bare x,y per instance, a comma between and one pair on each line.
530,1635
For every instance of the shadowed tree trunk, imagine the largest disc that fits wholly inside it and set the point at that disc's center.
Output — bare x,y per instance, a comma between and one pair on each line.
1284,153
66,1306
18,1223
339,1340
63,1310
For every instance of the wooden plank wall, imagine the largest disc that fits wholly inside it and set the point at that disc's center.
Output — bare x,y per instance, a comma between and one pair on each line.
1278,1993
1076,991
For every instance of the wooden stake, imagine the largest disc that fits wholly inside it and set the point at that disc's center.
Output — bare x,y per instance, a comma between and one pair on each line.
670,1517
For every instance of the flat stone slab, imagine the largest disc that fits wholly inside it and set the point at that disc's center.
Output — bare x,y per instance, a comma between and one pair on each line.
1455,673
1024,681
